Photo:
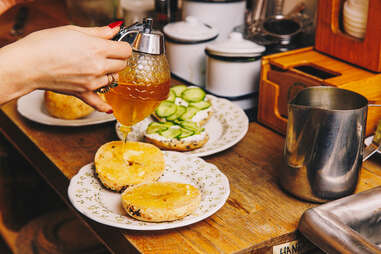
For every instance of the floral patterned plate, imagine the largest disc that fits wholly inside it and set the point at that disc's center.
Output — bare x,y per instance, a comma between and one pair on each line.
89,197
31,106
227,126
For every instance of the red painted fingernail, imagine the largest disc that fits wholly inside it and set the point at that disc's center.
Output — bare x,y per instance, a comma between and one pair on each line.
110,111
115,24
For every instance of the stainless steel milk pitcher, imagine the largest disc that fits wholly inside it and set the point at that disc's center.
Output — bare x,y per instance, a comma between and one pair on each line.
324,143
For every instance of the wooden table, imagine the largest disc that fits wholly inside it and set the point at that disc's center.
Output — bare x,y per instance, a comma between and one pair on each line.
257,216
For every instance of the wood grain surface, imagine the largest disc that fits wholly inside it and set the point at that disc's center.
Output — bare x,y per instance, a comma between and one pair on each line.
257,215
280,75
332,40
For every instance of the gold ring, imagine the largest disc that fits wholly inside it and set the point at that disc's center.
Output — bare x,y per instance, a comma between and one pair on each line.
110,78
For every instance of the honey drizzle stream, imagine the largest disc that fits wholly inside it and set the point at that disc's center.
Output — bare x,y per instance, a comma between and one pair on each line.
125,130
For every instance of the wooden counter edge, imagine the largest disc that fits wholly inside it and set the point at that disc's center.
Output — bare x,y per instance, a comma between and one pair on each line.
112,238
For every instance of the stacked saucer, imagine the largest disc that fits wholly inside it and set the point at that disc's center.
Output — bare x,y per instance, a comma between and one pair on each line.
355,15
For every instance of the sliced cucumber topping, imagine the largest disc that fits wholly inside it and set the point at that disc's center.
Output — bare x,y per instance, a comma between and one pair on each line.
193,94
171,133
185,133
165,109
177,118
189,113
191,126
171,96
179,112
178,89
167,124
200,104
156,127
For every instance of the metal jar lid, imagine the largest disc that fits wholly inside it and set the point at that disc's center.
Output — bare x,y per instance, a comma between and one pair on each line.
235,46
142,38
191,30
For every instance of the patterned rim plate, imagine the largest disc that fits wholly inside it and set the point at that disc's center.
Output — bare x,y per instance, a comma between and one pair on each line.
31,106
227,126
104,206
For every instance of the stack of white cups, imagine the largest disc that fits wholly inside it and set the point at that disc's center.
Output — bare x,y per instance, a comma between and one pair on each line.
355,16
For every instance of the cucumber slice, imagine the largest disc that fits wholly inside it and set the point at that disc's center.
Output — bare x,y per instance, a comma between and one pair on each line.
167,124
193,94
189,113
178,89
177,121
171,133
165,109
179,112
171,96
155,127
191,126
185,133
201,104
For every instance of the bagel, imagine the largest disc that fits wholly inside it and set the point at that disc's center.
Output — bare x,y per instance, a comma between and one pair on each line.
120,165
160,201
182,145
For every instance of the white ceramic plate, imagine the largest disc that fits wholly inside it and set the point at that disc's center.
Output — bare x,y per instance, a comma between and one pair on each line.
368,140
104,206
227,126
31,107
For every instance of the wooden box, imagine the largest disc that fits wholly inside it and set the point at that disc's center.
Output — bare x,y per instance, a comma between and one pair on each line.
284,74
331,39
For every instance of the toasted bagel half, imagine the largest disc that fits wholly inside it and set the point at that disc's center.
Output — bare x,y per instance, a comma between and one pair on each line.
119,165
161,201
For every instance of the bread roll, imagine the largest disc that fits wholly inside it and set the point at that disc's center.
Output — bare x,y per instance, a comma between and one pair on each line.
65,106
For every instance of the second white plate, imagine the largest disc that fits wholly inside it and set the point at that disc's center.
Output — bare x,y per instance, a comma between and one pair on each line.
104,206
31,106
227,126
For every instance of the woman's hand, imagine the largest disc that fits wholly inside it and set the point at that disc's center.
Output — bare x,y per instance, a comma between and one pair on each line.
69,59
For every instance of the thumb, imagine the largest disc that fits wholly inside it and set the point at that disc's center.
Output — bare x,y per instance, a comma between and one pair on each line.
95,101
105,32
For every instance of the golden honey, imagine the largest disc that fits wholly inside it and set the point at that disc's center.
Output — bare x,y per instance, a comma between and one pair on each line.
142,85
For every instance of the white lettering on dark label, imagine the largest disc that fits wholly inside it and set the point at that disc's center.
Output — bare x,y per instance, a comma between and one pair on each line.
294,247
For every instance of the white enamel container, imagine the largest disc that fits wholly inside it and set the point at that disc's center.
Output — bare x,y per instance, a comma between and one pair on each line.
224,15
185,43
233,69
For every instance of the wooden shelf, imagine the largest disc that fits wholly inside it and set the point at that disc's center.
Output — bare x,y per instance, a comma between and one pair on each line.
8,235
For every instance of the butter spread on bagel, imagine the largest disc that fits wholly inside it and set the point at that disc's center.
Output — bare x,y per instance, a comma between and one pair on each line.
119,165
161,201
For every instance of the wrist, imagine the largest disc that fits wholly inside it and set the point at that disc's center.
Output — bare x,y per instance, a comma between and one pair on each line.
14,78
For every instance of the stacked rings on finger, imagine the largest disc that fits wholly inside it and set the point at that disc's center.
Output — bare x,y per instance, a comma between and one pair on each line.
111,83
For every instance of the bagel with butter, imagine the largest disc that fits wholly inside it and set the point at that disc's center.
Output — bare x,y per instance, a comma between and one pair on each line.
65,106
120,165
160,201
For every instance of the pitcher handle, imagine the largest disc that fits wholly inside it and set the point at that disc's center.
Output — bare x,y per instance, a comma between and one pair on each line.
291,90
